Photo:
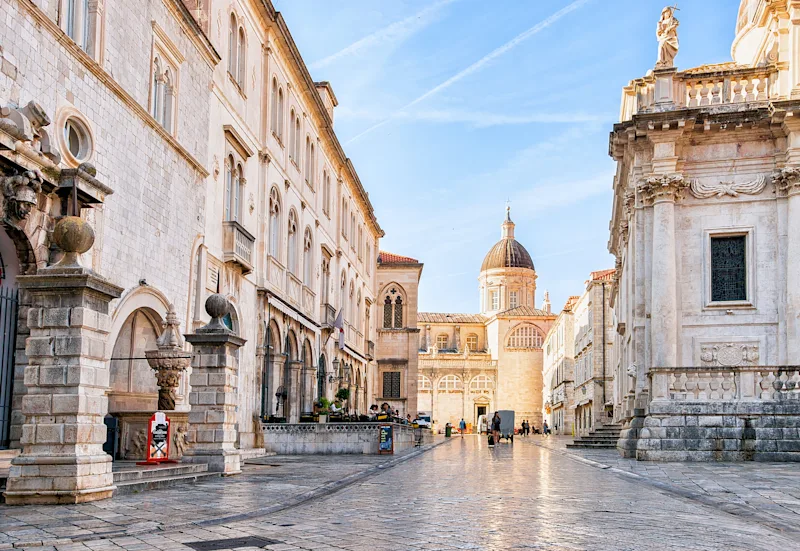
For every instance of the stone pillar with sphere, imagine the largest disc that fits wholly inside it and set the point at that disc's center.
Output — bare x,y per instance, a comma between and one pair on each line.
213,398
62,458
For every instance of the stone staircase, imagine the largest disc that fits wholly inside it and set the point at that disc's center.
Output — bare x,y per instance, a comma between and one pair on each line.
130,478
602,438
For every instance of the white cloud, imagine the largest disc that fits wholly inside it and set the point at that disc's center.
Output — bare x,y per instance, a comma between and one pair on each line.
395,33
482,62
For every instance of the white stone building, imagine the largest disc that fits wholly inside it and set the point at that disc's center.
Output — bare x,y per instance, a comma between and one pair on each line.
191,137
471,365
704,223
558,391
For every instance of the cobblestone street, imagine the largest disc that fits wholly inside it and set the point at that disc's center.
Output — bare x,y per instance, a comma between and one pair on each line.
460,495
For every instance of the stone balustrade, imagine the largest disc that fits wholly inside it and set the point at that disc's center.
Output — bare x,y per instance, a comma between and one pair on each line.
725,383
704,86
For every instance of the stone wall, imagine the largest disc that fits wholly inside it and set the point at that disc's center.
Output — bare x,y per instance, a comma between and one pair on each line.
334,438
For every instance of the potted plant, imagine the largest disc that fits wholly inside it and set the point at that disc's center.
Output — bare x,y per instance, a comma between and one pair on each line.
324,406
343,394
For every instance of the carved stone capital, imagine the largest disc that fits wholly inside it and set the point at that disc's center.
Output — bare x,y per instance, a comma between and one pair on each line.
787,180
629,202
664,187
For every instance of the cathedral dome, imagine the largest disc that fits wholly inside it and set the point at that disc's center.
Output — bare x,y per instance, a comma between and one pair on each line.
508,252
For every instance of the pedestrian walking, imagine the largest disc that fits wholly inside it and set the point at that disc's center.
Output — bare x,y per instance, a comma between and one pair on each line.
462,426
496,427
545,429
526,428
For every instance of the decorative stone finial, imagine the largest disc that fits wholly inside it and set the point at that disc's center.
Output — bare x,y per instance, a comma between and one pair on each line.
216,307
74,236
169,361
667,34
171,337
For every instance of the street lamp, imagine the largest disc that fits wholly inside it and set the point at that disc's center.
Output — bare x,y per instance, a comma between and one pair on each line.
334,376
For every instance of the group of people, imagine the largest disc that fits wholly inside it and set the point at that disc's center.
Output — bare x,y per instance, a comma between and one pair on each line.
390,413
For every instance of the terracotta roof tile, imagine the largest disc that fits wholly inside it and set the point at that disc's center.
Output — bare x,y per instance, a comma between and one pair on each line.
602,275
571,302
433,317
391,258
524,311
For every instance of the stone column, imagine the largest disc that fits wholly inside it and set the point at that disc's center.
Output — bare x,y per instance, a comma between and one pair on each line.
294,391
662,192
215,381
67,376
787,183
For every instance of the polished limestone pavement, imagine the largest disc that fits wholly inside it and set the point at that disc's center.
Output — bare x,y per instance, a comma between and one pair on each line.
462,495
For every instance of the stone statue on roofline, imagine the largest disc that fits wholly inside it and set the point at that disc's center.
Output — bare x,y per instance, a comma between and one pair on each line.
667,33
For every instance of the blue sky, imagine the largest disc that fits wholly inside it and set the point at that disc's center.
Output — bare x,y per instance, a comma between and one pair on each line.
450,107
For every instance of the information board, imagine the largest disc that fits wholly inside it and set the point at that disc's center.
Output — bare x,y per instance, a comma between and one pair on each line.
158,432
385,439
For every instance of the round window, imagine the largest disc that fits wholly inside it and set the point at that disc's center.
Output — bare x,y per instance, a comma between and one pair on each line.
77,139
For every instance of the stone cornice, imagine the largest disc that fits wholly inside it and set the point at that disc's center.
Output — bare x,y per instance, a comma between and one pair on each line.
662,187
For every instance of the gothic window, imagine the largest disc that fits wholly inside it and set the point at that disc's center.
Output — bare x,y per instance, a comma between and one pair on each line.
233,31
280,114
728,268
162,92
344,218
242,58
398,312
441,341
451,382
234,189
273,120
326,193
513,299
358,311
423,383
79,20
481,382
352,231
495,299
526,336
342,301
391,384
472,342
326,279
292,134
297,140
309,163
307,261
352,311
291,257
274,227
387,312
360,243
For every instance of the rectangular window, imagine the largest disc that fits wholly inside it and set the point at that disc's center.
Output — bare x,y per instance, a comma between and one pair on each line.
391,384
495,300
513,299
728,268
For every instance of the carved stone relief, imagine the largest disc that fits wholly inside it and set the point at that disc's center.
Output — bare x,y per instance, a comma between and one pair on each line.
729,354
732,189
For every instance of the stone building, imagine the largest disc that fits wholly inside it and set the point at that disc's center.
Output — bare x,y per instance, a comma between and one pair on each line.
558,391
593,341
705,217
398,336
191,137
473,364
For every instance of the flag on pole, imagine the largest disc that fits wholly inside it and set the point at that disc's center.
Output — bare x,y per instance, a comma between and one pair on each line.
339,324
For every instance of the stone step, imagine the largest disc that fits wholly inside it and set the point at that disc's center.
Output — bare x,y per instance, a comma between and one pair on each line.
599,440
6,456
593,446
135,486
130,472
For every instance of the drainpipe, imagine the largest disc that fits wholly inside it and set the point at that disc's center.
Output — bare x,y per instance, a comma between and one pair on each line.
265,370
604,346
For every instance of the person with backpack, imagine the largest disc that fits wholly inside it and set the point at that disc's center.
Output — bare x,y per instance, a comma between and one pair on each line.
545,429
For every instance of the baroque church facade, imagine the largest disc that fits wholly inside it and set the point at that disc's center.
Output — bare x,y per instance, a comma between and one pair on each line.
471,365
704,228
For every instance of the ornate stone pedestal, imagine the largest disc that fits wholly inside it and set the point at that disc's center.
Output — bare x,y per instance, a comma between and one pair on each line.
169,361
62,459
214,380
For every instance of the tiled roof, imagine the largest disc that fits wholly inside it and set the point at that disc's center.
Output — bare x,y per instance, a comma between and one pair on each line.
602,275
524,311
431,317
571,302
390,258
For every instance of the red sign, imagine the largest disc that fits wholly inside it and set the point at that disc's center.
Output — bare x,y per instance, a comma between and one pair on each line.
158,433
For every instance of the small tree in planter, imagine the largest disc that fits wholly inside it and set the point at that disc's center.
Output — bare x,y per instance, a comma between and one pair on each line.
343,395
324,406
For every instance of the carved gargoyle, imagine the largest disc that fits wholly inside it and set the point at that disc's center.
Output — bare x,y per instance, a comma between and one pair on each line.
19,192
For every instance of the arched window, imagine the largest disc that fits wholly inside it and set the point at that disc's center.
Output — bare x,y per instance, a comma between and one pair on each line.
441,341
273,104
280,113
242,61
423,383
353,230
326,193
398,312
230,177
472,342
387,312
297,140
326,280
525,336
232,48
481,382
292,131
342,296
274,227
169,94
158,85
393,309
358,311
311,180
344,218
307,261
291,257
308,162
351,306
451,382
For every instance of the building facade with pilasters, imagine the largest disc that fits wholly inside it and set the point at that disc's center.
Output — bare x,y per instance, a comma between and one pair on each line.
705,217
192,139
